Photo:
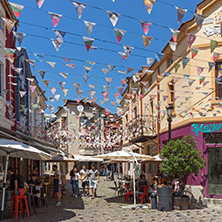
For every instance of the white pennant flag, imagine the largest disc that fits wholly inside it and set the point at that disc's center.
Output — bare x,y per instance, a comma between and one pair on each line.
64,74
92,86
57,97
76,85
22,93
79,8
53,90
62,84
56,44
19,36
105,71
65,91
31,62
52,64
89,26
173,45
113,17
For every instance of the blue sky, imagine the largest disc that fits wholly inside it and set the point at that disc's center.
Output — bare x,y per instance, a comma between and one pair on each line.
162,14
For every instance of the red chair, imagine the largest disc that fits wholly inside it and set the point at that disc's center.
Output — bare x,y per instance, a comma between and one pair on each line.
19,199
129,193
143,194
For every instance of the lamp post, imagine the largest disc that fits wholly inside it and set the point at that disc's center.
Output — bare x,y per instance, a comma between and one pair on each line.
169,109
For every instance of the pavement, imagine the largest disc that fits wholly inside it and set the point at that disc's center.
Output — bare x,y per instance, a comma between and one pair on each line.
107,207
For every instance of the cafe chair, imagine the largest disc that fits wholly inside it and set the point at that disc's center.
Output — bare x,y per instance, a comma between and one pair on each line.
19,200
143,194
128,193
118,190
43,197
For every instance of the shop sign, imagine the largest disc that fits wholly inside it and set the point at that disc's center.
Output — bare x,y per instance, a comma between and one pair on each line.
211,128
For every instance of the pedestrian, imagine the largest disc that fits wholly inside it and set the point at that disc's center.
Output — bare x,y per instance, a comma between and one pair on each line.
35,171
57,184
105,173
74,179
93,180
85,180
16,181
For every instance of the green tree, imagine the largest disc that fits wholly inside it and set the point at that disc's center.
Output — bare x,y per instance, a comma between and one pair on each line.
181,158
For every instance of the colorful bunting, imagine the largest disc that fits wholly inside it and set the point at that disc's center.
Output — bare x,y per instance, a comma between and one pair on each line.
113,17
128,49
105,94
91,86
167,74
85,78
123,82
31,62
9,24
53,90
185,61
159,56
119,34
123,54
194,51
79,92
87,69
205,83
89,26
216,56
51,99
129,70
180,14
145,26
40,3
213,45
46,82
201,79
57,97
108,80
113,103
79,8
199,20
22,93
67,59
65,91
56,44
62,84
165,98
111,67
199,70
190,39
105,71
32,88
55,18
10,52
64,74
39,56
71,65
116,95
190,82
52,64
173,45
175,34
147,40
59,35
120,89
19,36
149,5
149,61
176,79
106,88
128,95
88,42
16,8
186,77
42,73
211,65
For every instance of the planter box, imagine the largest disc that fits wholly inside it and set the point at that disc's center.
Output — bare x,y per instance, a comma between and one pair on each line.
181,203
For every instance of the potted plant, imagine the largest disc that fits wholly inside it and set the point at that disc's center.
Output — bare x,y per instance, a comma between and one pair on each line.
180,158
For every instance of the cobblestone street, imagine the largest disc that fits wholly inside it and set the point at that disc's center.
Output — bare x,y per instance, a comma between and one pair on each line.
106,207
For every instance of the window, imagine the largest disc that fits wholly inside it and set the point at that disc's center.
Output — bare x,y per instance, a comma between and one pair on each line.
218,80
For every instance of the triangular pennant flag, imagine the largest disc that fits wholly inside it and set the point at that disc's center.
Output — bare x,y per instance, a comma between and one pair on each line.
129,70
128,49
147,40
39,56
88,42
105,71
19,37
22,93
128,95
32,88
79,8
145,26
113,17
199,70
106,88
53,90
87,69
149,5
65,91
55,18
102,102
180,14
176,79
16,8
176,97
123,82
46,82
186,77
18,70
123,54
165,98
57,97
85,78
52,64
199,20
194,51
62,84
92,93
122,72
77,85
9,23
92,86
105,94
211,65
190,39
40,3
149,61
205,83
64,74
185,61
213,45
134,90
30,79
42,73
175,34
67,59
216,56
190,82
113,103
120,89
201,79
79,92
119,34
176,66
10,53
31,62
118,101
89,26
173,45
51,99
59,35
116,95
111,67
56,44
71,65
108,80
159,56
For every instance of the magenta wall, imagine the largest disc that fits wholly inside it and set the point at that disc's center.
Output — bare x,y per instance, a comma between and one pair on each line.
183,131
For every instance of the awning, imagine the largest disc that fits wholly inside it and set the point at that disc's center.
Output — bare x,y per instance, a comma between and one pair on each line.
81,158
62,159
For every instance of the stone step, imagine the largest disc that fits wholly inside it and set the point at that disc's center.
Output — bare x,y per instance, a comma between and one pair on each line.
212,201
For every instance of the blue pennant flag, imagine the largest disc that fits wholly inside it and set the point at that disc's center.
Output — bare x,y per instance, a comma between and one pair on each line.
159,56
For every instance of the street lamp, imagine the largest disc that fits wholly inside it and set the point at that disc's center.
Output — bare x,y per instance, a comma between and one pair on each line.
169,109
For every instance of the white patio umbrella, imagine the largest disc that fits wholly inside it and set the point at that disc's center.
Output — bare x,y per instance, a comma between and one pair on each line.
62,159
16,149
127,155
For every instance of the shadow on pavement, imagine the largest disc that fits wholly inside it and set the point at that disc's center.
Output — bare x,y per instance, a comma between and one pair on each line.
118,199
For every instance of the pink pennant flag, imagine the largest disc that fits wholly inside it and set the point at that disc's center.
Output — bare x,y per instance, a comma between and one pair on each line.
145,26
53,90
105,94
40,3
78,100
116,95
199,70
120,89
128,95
32,88
123,82
216,55
67,59
55,18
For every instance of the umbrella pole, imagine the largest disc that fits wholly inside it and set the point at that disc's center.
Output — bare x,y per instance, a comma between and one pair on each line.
4,183
134,182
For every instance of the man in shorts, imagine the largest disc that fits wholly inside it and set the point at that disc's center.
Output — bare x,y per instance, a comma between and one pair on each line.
85,180
93,180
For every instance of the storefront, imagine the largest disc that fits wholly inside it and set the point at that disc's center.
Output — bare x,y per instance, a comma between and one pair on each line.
209,142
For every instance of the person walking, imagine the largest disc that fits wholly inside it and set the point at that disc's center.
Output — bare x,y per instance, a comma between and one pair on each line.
74,179
85,180
93,180
105,173
57,184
